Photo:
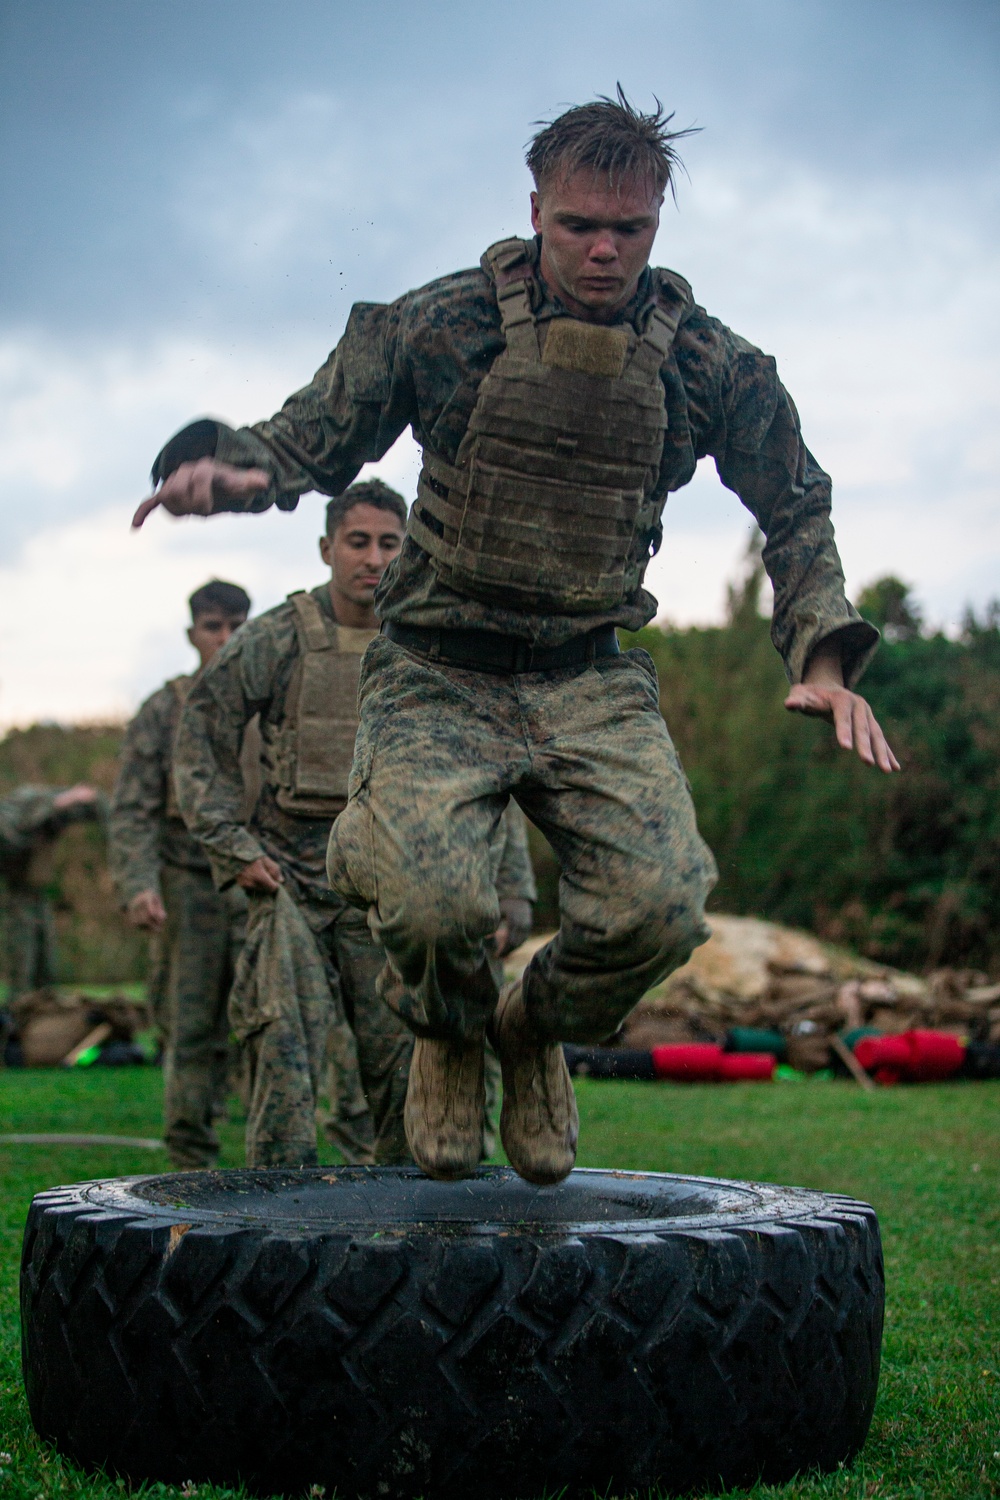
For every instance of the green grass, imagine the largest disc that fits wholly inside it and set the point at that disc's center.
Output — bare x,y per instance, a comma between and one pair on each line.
927,1157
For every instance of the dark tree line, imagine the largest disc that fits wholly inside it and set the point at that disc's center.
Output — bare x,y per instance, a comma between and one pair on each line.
905,868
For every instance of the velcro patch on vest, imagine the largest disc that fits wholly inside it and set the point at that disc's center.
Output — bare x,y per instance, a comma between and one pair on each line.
587,348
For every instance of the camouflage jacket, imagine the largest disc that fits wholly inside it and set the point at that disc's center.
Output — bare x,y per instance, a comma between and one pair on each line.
250,675
143,833
419,362
30,823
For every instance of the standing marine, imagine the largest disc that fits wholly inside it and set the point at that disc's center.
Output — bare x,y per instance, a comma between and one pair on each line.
304,996
164,882
559,390
31,820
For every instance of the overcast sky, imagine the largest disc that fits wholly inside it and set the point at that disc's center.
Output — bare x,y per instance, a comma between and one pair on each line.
195,191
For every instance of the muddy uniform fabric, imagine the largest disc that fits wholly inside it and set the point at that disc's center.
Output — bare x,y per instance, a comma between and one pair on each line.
587,756
193,958
442,748
348,1125
309,962
30,825
517,892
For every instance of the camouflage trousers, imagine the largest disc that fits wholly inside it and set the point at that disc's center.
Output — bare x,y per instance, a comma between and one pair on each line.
28,939
307,969
189,993
586,754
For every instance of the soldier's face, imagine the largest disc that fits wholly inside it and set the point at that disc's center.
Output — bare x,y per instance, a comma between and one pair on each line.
360,550
211,631
596,239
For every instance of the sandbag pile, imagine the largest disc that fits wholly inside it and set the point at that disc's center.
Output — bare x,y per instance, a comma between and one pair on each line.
758,976
49,1029
753,974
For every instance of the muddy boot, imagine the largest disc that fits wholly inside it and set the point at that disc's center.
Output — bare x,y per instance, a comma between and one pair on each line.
445,1101
539,1124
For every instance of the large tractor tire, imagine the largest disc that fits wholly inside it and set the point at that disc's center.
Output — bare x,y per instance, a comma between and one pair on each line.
370,1331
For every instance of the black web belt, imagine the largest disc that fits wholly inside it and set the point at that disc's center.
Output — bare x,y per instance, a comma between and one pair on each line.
485,651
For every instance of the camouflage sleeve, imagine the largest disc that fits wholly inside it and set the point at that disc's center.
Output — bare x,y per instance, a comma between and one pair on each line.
24,813
759,453
139,800
30,811
350,414
516,877
238,683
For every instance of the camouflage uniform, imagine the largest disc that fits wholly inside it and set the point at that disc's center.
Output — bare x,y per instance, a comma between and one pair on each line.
193,958
30,824
582,749
514,880
348,1124
309,959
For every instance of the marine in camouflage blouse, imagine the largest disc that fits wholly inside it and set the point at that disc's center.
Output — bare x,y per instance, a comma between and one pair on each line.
419,362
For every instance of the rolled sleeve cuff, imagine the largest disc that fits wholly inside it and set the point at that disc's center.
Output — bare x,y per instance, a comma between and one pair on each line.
858,642
245,450
136,883
226,864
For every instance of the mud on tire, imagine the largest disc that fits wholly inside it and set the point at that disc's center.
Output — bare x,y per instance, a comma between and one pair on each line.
374,1332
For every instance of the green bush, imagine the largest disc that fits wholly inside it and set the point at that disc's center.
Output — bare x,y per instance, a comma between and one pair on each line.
905,868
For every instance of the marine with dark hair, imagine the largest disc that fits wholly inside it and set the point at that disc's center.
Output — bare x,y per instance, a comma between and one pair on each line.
304,1001
559,390
165,884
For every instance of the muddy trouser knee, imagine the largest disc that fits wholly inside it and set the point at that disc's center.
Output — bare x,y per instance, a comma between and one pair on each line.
199,973
587,755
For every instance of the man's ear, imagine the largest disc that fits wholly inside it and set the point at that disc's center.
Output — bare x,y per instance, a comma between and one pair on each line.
190,635
325,549
536,212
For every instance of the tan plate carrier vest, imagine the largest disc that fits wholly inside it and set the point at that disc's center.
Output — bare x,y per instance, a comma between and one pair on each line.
311,755
549,504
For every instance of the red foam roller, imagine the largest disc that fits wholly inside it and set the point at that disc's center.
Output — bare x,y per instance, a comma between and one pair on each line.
688,1062
748,1067
933,1055
888,1053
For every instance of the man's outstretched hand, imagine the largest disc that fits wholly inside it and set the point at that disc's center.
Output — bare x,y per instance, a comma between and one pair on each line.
822,694
193,488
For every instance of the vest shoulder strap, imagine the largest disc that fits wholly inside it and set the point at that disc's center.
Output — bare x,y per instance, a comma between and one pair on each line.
511,263
315,632
673,300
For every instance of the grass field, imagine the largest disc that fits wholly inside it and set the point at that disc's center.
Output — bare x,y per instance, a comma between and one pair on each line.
928,1158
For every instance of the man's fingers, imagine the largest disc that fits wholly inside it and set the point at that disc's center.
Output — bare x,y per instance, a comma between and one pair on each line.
194,488
861,714
145,509
842,720
884,758
242,481
854,723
